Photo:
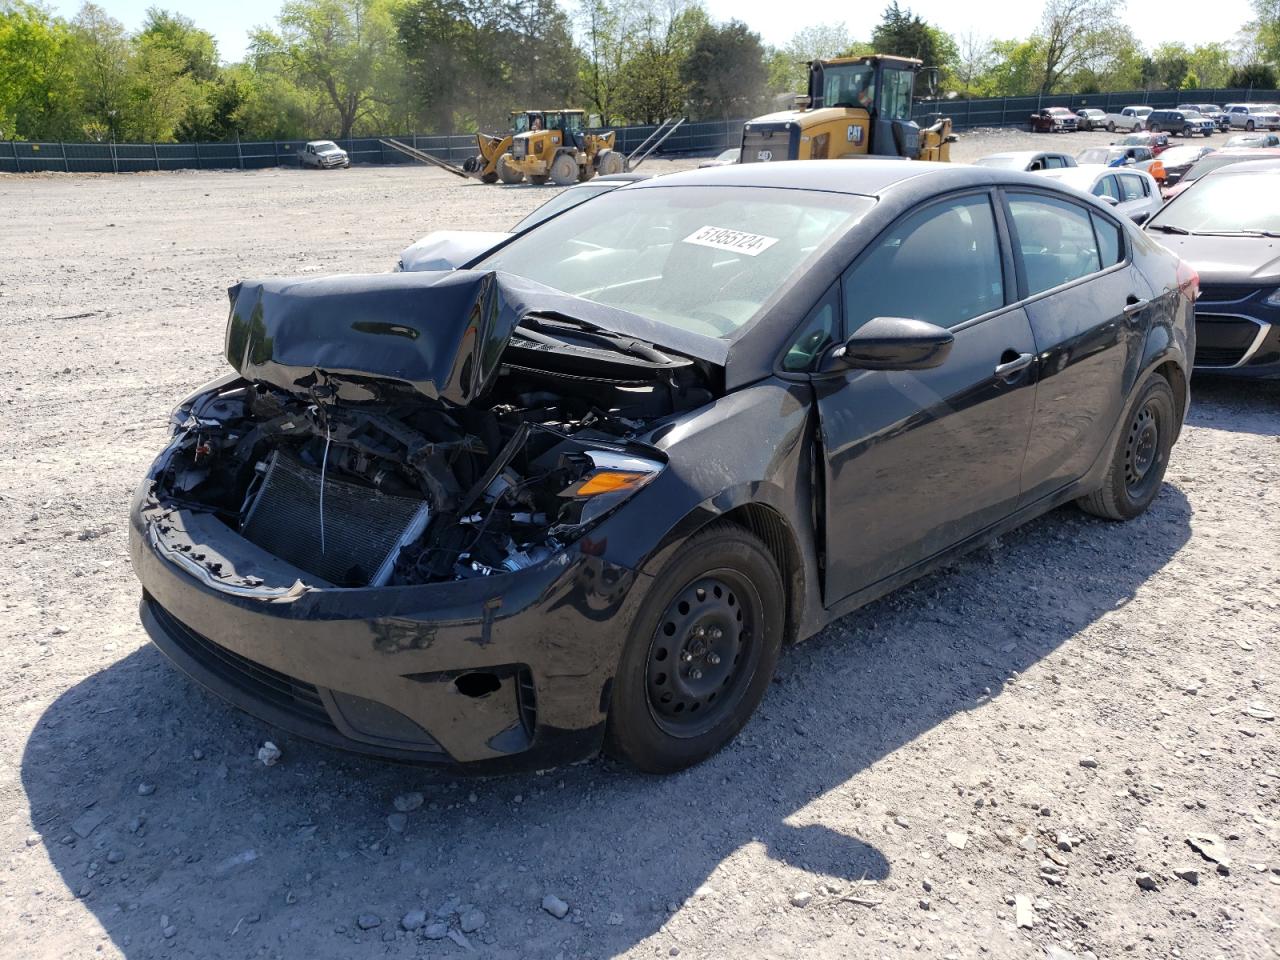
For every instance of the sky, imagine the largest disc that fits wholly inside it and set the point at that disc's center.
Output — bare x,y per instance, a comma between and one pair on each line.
1153,21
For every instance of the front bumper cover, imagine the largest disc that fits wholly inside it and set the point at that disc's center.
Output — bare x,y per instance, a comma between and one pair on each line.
505,672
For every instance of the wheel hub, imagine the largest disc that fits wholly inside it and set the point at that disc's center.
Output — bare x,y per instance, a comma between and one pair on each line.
1141,447
697,651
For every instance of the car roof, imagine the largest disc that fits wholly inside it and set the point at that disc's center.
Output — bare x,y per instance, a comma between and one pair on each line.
1087,173
1021,154
868,177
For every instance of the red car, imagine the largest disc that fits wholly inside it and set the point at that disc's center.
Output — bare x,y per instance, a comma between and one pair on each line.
1158,142
1054,120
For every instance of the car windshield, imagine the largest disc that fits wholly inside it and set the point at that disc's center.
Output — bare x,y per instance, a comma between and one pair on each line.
324,146
1211,163
1134,139
1013,163
1175,156
1232,203
701,258
566,200
1192,115
1097,155
730,155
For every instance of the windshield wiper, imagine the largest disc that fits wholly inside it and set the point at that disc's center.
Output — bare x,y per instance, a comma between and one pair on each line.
1168,228
1237,233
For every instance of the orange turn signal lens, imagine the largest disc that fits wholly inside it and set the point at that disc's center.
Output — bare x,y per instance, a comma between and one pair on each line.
610,481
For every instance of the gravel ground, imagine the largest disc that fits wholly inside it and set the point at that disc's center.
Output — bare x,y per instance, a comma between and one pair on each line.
995,762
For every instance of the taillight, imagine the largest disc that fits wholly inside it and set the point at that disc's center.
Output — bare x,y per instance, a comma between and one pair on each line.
1188,281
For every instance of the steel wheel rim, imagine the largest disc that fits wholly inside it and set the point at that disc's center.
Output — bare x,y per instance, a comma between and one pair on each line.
703,652
1142,451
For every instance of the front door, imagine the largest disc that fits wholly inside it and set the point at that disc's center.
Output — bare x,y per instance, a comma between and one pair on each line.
917,461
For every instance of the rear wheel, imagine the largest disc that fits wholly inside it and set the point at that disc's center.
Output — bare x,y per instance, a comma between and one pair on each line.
1141,455
538,179
489,178
701,653
508,173
564,170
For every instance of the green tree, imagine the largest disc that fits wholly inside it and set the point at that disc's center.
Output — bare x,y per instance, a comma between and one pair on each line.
159,94
1171,63
904,34
660,39
340,49
196,49
1076,36
99,55
38,92
725,72
787,68
1253,76
1211,63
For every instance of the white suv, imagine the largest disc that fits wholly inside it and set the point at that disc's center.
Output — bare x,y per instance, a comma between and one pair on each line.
1251,116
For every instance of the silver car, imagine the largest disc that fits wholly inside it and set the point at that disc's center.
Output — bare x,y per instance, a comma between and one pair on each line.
1254,116
323,155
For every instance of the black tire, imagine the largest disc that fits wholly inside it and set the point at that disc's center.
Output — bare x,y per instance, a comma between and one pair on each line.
1188,132
507,172
701,653
1111,126
1248,125
538,179
564,170
1141,456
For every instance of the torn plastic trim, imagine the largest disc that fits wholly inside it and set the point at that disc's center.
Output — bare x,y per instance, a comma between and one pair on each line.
202,573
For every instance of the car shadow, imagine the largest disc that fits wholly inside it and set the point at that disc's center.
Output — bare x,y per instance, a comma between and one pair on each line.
1235,404
149,801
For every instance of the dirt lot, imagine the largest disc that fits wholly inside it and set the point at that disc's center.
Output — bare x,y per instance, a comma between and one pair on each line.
1019,738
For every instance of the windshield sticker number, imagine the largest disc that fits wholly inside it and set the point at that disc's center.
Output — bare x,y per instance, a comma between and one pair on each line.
721,238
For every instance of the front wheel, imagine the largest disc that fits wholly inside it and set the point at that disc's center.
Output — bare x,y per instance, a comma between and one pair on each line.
1111,127
507,172
1249,125
564,170
701,652
1141,455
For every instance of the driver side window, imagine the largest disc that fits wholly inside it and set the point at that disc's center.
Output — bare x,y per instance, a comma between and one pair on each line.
941,264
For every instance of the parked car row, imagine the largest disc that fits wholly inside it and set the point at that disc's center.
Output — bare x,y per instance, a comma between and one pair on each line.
1186,120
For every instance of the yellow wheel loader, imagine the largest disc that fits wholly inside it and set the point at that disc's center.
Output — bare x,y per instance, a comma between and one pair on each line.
554,145
856,106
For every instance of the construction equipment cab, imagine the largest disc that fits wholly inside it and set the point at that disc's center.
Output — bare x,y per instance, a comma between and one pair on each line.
555,145
856,106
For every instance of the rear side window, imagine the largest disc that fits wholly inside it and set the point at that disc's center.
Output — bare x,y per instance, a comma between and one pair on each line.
1053,163
1131,187
1055,241
941,264
1110,243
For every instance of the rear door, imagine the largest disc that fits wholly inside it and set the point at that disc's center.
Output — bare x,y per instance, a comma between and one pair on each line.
919,460
1085,301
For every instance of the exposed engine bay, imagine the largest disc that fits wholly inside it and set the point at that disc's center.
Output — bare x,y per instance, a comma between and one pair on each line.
362,479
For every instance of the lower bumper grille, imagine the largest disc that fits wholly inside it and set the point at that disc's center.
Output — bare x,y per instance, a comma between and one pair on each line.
256,681
354,544
1224,341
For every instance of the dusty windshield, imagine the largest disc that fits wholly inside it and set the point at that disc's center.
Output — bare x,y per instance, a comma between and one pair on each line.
704,259
1231,203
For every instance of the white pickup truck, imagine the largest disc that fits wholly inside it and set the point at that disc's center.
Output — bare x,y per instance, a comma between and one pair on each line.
1254,116
1131,119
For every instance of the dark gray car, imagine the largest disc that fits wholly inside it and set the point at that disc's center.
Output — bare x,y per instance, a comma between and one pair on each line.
1227,226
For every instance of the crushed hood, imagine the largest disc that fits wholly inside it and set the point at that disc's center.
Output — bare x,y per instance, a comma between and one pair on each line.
437,334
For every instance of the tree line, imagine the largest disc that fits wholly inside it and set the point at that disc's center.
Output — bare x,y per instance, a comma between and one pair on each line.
352,67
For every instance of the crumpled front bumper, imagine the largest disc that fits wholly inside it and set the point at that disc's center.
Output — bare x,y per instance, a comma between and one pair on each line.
510,671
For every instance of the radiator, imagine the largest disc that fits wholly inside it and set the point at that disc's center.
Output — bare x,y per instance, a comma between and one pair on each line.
364,530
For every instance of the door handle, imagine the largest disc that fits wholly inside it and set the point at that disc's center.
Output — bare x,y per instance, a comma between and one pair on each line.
1134,305
1008,368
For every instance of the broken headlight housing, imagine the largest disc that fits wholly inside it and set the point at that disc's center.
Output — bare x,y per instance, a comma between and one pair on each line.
613,478
180,415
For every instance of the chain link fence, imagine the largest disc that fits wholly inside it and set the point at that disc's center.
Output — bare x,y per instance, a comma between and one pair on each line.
21,156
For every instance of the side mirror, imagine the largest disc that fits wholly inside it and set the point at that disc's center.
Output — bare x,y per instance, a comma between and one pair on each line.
1110,201
1140,218
891,343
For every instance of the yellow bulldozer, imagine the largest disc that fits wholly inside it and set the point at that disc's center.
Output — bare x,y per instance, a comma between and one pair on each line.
856,106
545,145
555,145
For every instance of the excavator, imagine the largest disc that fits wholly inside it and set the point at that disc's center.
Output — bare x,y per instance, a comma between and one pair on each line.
856,106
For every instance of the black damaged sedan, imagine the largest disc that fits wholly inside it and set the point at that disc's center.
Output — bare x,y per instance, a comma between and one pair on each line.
581,493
